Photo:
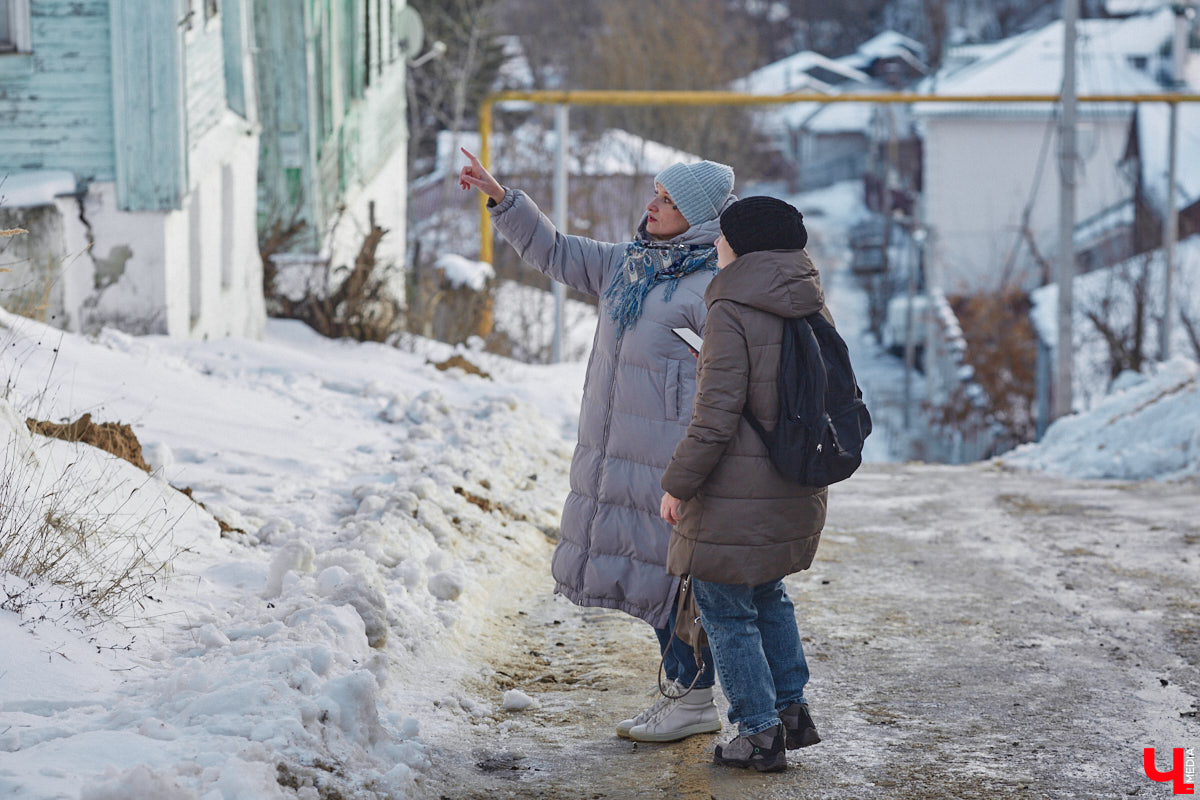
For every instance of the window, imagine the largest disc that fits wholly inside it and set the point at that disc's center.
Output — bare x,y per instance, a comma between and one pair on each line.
14,26
211,9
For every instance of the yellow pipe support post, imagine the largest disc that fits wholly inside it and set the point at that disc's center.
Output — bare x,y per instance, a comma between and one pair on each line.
606,97
485,158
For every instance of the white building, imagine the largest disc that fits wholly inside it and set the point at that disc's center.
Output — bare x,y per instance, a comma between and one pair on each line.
990,169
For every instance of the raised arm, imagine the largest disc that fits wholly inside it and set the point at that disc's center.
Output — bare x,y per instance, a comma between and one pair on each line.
577,261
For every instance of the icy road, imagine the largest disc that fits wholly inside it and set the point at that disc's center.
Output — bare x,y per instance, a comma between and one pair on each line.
972,633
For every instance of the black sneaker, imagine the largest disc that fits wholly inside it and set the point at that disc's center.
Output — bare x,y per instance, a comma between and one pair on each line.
763,751
799,726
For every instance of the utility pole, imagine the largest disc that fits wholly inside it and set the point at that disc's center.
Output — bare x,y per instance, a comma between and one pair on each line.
561,128
1183,14
1064,350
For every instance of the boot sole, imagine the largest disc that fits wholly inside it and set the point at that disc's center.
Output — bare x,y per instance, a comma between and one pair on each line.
677,735
776,764
807,738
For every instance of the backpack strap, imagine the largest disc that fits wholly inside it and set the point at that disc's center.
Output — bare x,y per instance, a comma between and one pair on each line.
799,346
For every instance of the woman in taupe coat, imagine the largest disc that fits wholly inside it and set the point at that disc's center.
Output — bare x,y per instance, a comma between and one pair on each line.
741,526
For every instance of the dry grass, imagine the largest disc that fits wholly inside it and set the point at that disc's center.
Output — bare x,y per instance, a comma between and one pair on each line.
80,541
83,536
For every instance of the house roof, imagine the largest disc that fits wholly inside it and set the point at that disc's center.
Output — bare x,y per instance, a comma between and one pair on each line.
1153,129
1031,63
803,71
822,117
813,72
1119,215
888,44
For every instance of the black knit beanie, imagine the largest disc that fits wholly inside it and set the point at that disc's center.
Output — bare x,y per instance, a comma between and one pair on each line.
763,223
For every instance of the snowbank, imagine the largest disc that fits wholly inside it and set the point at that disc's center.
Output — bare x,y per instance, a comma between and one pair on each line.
375,510
1148,427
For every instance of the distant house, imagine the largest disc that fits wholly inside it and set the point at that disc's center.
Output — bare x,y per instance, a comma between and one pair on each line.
823,143
331,81
129,151
990,170
1135,225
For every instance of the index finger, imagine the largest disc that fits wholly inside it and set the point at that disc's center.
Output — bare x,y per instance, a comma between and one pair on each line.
471,156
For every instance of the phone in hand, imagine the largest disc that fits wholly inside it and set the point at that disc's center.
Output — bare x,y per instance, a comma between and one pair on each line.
690,338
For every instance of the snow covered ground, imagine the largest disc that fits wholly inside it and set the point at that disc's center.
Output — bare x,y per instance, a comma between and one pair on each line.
382,507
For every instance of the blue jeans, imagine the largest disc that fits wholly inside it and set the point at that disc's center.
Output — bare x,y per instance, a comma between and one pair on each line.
679,662
752,630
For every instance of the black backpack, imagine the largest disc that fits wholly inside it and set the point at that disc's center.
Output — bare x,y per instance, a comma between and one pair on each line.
823,421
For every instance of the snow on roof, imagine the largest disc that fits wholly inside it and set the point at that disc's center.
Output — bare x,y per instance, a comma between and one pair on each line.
803,71
529,150
1153,125
889,43
1031,63
1122,8
1090,230
27,189
822,117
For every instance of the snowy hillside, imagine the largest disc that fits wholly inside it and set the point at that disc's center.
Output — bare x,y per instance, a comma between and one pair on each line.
379,511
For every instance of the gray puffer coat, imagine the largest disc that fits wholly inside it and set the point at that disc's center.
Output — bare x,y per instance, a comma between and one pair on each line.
637,400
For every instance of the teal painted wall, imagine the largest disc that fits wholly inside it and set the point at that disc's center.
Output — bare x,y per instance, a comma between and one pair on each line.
56,103
237,27
328,120
286,163
149,115
205,62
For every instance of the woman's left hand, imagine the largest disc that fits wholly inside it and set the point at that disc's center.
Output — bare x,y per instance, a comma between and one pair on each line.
669,508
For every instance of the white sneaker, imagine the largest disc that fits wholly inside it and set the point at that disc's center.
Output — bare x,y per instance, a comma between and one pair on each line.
678,719
625,725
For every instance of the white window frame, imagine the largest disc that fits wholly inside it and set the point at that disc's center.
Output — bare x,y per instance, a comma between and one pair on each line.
19,40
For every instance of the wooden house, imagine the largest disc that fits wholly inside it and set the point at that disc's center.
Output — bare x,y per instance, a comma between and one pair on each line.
331,80
129,146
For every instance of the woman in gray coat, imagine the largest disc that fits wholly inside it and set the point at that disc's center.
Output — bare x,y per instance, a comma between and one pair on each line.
637,400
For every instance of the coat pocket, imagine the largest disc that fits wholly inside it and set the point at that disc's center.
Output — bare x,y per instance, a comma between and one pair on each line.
671,390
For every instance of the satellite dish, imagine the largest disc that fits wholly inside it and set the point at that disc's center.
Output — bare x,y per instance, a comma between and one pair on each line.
410,32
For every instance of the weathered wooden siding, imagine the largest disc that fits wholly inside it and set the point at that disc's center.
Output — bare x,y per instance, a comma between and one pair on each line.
237,32
56,103
329,123
205,60
285,99
149,116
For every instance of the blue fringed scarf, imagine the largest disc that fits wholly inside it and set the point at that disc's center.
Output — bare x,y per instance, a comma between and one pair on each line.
648,264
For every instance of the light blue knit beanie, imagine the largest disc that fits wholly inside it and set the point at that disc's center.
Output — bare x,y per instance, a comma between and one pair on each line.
699,190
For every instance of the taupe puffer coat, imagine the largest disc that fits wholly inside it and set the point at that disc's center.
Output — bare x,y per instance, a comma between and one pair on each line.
743,522
637,399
